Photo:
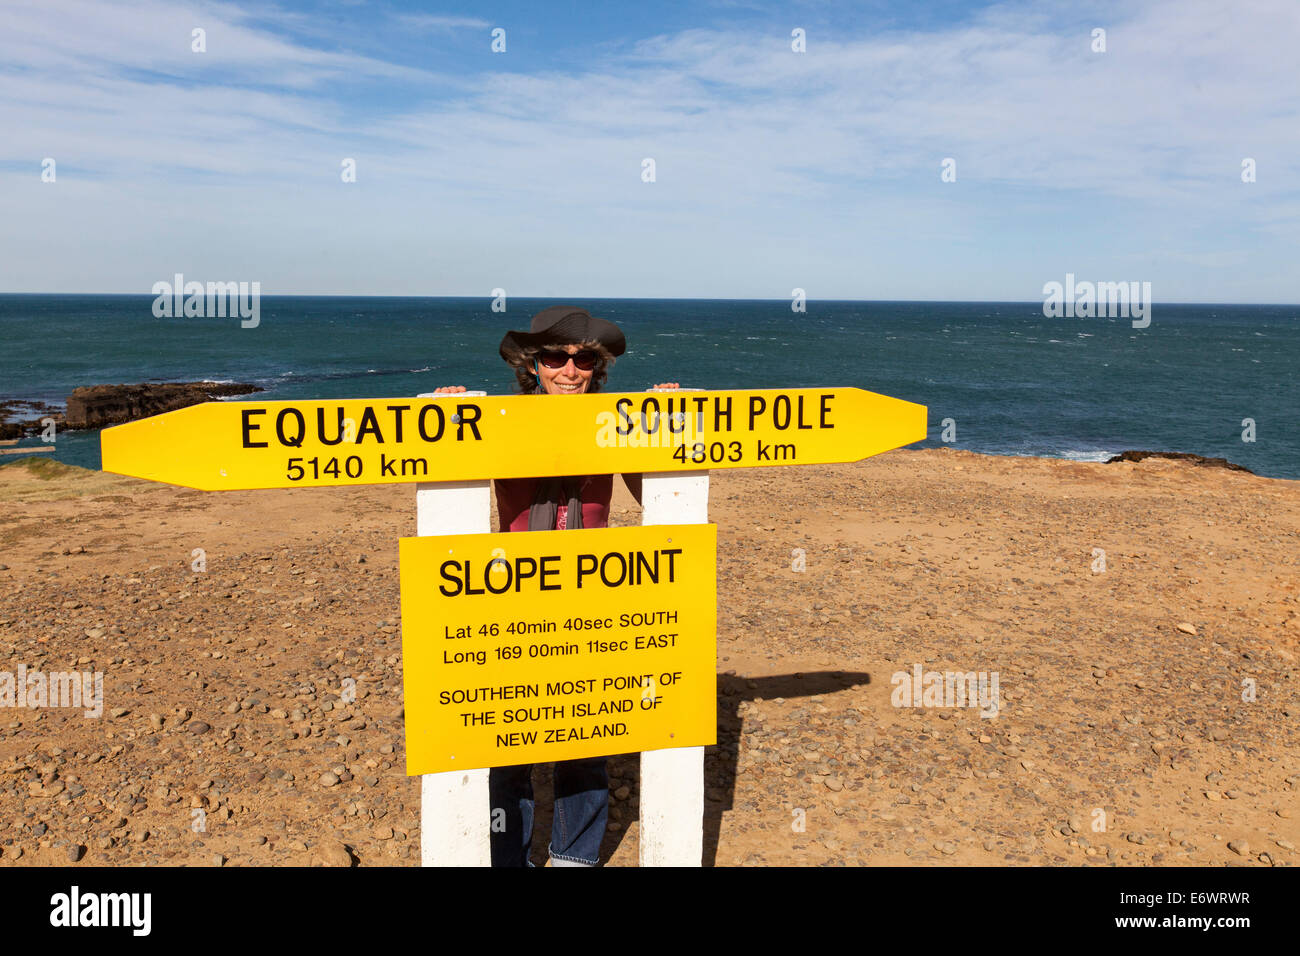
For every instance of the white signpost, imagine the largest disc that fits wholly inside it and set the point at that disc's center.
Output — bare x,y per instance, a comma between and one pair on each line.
455,809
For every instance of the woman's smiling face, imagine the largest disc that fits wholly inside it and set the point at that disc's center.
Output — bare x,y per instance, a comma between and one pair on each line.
568,380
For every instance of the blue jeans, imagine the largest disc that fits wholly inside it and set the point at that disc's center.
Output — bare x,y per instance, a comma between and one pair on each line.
578,824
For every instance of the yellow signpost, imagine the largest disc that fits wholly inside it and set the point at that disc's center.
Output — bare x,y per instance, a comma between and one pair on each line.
221,446
544,645
557,646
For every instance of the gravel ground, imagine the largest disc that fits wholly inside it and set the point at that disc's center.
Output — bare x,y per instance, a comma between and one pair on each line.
1147,710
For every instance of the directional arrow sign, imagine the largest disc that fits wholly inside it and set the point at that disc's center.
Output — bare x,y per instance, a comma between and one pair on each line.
222,446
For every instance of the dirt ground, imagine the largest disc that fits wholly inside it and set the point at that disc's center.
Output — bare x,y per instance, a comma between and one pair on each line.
1142,619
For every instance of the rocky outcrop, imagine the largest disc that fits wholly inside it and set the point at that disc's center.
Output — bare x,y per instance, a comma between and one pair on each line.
26,418
97,406
1179,456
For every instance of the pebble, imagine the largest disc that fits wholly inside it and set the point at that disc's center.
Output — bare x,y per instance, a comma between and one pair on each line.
198,727
1239,847
74,852
218,859
331,853
118,712
1187,628
329,779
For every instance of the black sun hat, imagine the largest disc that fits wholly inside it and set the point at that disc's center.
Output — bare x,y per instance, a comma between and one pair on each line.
564,324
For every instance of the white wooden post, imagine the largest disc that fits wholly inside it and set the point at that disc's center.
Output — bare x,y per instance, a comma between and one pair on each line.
455,808
672,781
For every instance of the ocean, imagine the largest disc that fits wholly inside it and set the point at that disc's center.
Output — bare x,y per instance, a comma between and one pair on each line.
998,378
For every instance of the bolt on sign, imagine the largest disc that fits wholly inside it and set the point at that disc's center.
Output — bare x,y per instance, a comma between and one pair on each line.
546,645
220,446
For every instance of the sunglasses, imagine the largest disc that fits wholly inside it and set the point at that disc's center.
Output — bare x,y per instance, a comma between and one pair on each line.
585,360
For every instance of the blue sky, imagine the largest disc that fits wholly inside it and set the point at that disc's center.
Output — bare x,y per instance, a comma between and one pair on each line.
774,169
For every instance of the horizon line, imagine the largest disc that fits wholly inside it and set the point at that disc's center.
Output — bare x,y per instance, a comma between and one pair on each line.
624,298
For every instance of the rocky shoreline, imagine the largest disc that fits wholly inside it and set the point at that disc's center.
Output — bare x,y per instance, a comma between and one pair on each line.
98,406
1201,460
29,415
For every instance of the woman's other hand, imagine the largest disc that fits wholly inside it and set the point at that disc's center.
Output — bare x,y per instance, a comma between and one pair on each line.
667,385
448,389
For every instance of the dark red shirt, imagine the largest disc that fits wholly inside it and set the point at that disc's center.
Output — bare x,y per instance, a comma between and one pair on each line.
515,498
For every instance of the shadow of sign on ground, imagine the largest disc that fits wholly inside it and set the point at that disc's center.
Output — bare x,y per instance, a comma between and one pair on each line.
720,761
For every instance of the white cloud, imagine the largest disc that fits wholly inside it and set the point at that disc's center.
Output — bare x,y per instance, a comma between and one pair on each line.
426,21
769,162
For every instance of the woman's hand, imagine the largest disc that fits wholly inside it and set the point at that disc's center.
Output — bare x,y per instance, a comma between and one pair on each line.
448,389
667,385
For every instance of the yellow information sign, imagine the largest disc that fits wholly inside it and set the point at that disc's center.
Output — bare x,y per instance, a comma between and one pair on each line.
549,645
220,446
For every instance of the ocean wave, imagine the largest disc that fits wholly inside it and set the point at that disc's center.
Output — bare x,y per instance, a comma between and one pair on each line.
1077,454
1030,451
299,378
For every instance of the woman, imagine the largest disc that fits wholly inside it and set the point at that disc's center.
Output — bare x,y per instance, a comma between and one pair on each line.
567,351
